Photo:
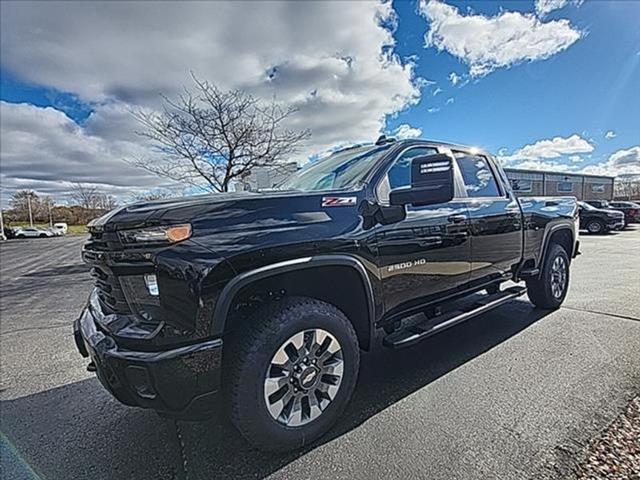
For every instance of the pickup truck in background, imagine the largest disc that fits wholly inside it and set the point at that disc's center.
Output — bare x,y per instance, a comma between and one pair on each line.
265,300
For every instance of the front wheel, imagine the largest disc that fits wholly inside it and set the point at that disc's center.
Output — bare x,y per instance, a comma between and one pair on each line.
550,289
291,371
596,227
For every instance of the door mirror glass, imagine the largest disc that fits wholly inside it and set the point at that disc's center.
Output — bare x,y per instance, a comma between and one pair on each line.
431,182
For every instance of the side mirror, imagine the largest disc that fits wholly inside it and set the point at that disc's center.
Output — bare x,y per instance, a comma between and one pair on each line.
431,182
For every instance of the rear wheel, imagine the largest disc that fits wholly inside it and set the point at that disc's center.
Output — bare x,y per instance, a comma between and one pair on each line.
291,371
550,289
596,226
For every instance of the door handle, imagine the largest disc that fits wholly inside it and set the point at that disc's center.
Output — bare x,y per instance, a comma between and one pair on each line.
458,218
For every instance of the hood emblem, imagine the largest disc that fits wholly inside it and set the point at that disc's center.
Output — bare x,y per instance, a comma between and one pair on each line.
339,201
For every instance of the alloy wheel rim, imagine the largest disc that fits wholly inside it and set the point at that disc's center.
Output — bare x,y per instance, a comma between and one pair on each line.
558,277
303,377
594,227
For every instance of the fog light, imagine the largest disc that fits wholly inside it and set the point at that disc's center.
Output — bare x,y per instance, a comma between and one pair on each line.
151,282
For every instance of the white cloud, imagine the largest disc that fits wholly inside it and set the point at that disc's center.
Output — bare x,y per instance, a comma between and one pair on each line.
610,134
621,162
269,49
44,150
407,131
488,43
433,109
550,148
437,91
553,154
454,78
544,7
547,166
450,100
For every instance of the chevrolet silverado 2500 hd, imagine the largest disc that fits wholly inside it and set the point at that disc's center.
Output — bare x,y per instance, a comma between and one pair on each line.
265,300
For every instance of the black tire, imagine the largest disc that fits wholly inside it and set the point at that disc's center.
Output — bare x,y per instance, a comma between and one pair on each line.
543,291
42,235
20,236
249,357
596,227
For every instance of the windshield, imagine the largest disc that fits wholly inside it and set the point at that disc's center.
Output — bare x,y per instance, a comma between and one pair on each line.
586,206
343,170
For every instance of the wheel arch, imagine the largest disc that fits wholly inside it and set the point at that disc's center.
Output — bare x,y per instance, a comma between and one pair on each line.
563,235
340,280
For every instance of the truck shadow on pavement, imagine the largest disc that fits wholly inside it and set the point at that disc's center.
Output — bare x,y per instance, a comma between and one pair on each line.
79,431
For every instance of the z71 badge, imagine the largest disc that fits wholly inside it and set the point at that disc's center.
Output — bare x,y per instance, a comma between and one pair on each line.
339,201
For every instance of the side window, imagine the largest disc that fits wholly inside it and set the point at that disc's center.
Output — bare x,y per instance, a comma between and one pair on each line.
399,175
476,173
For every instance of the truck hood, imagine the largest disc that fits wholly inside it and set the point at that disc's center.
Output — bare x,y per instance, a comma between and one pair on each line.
233,211
609,212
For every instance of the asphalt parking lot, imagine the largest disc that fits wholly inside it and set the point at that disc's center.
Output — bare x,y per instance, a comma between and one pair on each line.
513,394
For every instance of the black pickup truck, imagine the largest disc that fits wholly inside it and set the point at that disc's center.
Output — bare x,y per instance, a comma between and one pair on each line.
265,300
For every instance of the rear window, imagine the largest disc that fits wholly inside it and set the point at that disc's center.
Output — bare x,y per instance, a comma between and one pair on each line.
477,175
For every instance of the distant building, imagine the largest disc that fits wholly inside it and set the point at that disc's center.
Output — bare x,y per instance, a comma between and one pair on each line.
267,177
539,183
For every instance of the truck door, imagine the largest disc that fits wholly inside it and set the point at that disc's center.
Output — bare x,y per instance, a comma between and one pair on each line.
495,216
428,252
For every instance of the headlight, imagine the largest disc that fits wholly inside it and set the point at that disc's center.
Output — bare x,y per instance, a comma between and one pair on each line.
168,234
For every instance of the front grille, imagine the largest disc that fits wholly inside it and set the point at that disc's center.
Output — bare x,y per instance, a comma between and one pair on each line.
109,291
103,241
110,294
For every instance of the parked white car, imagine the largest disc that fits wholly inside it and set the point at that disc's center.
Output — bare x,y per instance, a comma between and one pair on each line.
61,228
31,232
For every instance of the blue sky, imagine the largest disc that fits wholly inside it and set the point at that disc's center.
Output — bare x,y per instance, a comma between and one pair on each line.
589,89
544,84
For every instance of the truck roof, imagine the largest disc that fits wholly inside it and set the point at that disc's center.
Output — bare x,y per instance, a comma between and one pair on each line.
418,141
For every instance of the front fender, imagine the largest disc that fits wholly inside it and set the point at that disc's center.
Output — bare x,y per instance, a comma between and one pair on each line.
231,289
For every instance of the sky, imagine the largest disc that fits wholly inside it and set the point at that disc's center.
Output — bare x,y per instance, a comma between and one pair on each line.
542,84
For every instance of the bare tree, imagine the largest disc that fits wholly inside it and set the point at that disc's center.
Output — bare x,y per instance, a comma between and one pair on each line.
92,198
23,201
627,187
211,137
157,194
106,202
85,195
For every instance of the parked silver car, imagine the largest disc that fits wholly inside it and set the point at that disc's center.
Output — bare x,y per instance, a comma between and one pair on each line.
33,232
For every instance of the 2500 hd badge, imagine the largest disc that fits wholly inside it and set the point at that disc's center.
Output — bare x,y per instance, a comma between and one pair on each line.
265,300
405,265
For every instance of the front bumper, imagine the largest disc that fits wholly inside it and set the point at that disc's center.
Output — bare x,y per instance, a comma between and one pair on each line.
618,225
182,382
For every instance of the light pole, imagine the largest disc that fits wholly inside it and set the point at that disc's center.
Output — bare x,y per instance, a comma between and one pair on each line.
2,237
30,215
